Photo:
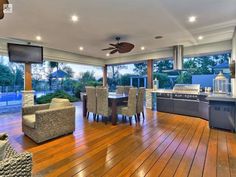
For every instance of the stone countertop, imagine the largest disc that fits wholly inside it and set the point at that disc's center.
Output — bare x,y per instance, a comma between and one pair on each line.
218,97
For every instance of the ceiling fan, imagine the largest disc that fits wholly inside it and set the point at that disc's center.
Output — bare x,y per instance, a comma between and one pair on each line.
2,8
120,47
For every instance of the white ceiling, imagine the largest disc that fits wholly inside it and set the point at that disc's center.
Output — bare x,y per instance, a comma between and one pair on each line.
139,21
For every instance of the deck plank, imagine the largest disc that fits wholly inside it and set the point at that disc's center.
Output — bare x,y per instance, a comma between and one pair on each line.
164,145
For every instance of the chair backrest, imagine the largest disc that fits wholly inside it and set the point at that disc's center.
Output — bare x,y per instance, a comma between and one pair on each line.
140,99
59,103
126,89
102,101
132,101
120,89
91,99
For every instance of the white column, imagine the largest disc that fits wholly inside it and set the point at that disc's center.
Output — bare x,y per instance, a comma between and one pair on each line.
28,98
131,81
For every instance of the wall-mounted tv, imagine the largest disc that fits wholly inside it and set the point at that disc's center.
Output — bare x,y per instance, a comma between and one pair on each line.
25,53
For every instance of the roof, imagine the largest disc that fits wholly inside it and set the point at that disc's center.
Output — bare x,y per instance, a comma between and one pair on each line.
222,65
59,74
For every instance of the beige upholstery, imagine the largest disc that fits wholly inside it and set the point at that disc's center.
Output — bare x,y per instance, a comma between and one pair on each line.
29,120
140,102
130,110
13,163
3,145
126,89
91,101
41,123
102,103
59,103
120,89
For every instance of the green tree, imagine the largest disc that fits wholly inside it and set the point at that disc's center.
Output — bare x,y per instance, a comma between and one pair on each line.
164,81
52,65
140,68
68,70
6,76
19,78
87,77
184,78
161,65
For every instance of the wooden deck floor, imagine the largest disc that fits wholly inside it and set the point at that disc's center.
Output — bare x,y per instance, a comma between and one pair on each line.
164,145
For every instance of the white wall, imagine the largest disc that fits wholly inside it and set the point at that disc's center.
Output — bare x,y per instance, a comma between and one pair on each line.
234,45
192,50
59,55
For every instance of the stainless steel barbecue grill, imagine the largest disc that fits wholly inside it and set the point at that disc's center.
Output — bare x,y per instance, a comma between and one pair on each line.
186,91
187,88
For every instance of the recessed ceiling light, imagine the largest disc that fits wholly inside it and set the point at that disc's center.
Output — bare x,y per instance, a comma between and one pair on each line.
158,37
38,38
81,48
200,37
107,54
74,18
142,48
192,19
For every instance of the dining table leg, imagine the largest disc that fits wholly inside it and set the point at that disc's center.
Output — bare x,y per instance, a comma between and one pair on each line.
114,111
84,105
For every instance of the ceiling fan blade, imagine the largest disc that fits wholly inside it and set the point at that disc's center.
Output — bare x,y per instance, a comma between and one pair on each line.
114,45
125,47
113,51
109,48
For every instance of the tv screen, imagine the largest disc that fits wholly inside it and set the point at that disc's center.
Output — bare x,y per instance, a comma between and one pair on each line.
25,53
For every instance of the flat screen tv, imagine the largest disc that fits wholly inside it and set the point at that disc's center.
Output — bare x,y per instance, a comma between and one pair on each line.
25,53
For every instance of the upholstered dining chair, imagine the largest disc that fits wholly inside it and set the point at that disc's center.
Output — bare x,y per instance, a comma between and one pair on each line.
102,104
126,89
91,101
140,102
130,109
120,89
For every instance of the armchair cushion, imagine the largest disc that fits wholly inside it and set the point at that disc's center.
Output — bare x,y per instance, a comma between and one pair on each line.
59,103
29,120
3,145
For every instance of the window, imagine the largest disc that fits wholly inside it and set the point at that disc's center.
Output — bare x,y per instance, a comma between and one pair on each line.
162,72
127,74
46,78
203,69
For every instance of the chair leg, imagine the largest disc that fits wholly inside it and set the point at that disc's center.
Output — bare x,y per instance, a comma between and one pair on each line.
143,116
130,120
136,118
87,115
138,115
105,119
94,117
123,118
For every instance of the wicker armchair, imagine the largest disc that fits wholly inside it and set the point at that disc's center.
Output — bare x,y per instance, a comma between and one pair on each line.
15,164
41,123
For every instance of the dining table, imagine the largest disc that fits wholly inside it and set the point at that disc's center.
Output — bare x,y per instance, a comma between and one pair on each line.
114,100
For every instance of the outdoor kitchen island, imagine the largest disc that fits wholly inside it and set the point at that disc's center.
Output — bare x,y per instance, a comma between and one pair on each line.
219,110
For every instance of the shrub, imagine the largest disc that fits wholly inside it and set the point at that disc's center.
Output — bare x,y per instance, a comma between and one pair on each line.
57,94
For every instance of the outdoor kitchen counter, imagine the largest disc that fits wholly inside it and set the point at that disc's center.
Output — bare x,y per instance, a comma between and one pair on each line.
222,112
219,110
217,97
